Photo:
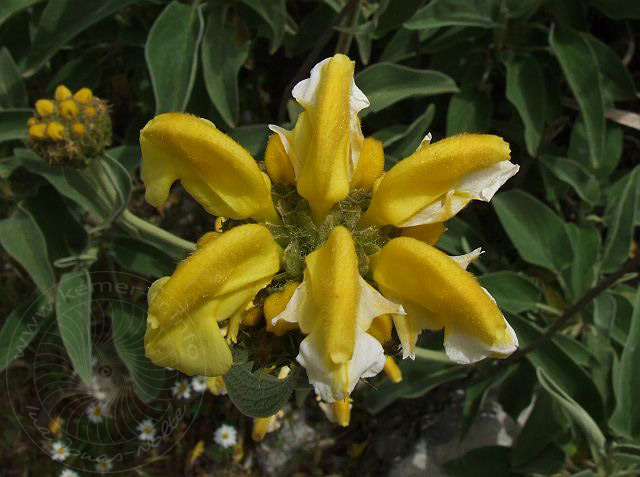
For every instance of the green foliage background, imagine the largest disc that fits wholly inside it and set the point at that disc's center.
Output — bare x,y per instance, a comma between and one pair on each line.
555,78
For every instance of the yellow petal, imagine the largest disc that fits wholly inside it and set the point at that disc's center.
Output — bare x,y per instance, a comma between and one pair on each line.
275,304
342,411
428,233
381,328
421,277
44,107
277,162
61,93
370,166
219,173
428,174
392,371
38,131
215,283
83,95
68,108
55,131
216,386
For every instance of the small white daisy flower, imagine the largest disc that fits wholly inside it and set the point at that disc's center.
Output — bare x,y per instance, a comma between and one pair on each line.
104,465
182,389
59,451
147,430
226,436
199,383
97,411
68,473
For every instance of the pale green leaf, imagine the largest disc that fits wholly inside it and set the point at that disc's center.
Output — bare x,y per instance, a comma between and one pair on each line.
13,93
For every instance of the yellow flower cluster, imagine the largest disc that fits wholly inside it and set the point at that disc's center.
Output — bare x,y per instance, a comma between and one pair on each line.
329,249
70,128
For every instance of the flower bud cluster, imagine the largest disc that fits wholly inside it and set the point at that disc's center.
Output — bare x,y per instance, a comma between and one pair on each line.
71,128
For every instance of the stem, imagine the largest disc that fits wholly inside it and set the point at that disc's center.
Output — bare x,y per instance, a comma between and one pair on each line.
574,309
346,38
143,229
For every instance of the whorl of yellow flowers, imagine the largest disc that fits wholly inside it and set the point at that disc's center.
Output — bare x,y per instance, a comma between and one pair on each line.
332,251
70,128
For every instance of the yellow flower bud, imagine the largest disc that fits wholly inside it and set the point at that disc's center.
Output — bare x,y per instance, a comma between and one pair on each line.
83,95
44,107
392,371
55,130
31,121
37,131
62,93
77,129
68,108
90,112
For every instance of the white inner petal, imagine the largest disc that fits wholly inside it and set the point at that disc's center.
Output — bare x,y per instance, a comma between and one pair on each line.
466,259
479,185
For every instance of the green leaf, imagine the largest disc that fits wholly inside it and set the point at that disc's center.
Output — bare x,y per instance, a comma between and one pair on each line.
253,138
493,460
13,93
171,52
475,394
513,292
395,14
525,89
469,112
618,9
23,240
580,68
21,327
130,157
129,324
141,257
576,175
620,220
222,58
440,13
626,416
536,231
73,311
617,82
559,366
60,21
257,394
585,243
75,74
274,13
544,424
577,413
411,136
13,124
9,7
387,83
579,147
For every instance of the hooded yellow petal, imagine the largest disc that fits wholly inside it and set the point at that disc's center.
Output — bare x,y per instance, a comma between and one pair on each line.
429,233
277,162
217,282
219,173
430,173
370,166
422,277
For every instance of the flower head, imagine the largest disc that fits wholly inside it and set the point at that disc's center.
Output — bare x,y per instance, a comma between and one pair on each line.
103,465
326,246
199,383
181,389
97,411
70,129
147,430
226,436
59,451
68,473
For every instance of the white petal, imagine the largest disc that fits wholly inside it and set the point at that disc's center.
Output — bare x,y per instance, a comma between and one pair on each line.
372,304
465,349
368,360
425,142
466,259
298,310
479,185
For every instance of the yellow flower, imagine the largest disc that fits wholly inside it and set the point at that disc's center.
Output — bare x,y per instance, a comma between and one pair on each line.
68,108
83,95
61,93
78,129
344,253
55,130
45,107
38,131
